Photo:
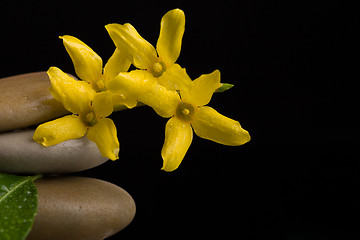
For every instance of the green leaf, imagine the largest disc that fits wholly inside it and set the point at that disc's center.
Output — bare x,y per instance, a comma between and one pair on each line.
224,87
18,206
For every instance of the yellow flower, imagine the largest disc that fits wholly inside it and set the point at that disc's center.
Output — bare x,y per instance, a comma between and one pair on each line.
89,68
144,88
160,62
187,112
89,109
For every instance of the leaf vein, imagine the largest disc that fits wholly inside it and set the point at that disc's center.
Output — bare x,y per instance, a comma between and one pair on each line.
17,186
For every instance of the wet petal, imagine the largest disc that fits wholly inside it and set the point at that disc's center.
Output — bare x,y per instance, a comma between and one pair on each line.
178,138
104,134
74,95
88,65
170,38
175,78
202,89
118,62
59,130
123,99
144,87
125,37
102,104
210,124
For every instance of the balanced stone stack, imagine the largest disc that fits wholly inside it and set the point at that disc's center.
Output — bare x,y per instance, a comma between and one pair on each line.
69,207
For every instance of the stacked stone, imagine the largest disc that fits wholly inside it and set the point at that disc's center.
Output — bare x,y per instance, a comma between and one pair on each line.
69,207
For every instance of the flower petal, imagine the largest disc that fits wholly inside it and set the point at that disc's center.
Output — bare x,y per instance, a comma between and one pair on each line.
170,38
102,104
126,38
59,130
175,78
88,65
210,124
143,86
202,89
178,137
105,136
123,99
118,62
74,95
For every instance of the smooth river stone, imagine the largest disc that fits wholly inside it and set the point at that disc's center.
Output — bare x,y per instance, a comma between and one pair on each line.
25,100
19,153
77,208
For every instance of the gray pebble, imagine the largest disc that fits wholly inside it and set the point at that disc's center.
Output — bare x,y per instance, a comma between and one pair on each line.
25,100
77,208
19,153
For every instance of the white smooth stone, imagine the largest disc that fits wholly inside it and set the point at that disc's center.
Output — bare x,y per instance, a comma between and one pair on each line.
19,153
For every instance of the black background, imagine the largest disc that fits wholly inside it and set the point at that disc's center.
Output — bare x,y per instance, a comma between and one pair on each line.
295,69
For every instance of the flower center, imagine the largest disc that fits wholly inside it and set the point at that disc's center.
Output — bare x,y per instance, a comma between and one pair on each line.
91,119
158,69
99,86
185,111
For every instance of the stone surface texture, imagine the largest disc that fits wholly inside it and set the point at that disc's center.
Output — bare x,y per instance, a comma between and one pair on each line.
75,208
25,100
20,154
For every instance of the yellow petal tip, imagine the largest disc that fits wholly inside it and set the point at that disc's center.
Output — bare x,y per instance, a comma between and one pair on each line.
115,154
169,167
40,140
